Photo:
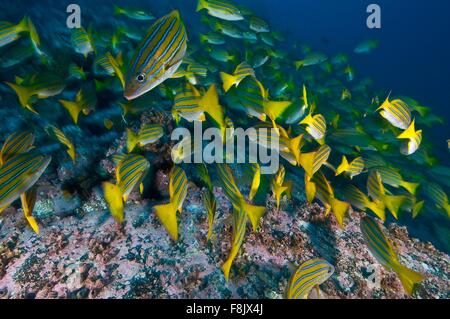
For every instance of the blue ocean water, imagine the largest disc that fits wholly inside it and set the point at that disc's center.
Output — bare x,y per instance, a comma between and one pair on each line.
412,59
413,56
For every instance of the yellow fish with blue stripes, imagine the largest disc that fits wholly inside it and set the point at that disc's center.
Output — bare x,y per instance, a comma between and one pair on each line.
413,137
361,201
158,56
82,41
220,9
273,109
376,191
325,194
396,112
438,196
197,69
186,105
19,174
148,134
19,143
258,25
11,32
208,197
40,85
242,71
85,101
242,211
311,274
316,126
279,186
351,169
63,139
130,171
235,196
393,178
240,218
16,143
167,213
382,249
313,161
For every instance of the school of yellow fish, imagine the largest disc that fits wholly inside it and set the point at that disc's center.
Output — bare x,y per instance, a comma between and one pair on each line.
352,150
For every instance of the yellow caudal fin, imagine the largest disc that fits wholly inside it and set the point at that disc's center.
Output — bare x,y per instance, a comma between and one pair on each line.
203,38
447,209
307,162
167,214
408,277
238,238
72,153
418,207
28,199
228,80
113,197
343,166
108,124
118,10
33,224
226,267
210,104
310,189
132,140
339,209
295,147
24,94
410,187
201,5
278,193
378,209
288,189
34,36
298,64
22,26
274,109
116,67
229,262
255,183
409,133
305,96
308,119
394,203
254,213
74,109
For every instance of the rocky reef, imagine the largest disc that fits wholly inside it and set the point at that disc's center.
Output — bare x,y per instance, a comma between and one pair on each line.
82,252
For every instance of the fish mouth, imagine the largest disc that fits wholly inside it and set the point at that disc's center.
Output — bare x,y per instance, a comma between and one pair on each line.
131,95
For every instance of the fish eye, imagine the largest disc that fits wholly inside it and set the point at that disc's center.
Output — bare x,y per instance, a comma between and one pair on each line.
140,78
